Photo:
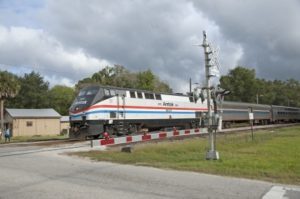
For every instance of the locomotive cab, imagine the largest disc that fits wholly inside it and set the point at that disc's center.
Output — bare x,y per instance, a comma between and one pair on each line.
81,125
85,98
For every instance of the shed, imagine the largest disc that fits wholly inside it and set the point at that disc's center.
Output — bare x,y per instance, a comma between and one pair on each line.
64,125
28,122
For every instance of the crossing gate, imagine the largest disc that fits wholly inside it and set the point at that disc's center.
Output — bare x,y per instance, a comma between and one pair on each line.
147,137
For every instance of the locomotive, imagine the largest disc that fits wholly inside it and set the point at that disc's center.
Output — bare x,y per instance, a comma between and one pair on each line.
120,111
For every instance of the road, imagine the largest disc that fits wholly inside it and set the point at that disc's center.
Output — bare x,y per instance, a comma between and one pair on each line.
41,173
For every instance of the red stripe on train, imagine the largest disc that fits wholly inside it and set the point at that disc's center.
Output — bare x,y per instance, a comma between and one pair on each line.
139,107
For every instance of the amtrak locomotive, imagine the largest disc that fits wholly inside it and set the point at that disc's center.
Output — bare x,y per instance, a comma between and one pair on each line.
118,111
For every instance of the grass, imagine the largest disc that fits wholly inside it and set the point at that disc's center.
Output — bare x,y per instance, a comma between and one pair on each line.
273,155
16,139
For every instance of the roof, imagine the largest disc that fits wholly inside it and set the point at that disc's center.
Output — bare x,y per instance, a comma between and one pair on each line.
64,119
126,89
29,113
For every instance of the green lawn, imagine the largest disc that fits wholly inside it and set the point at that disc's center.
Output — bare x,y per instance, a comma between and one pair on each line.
274,155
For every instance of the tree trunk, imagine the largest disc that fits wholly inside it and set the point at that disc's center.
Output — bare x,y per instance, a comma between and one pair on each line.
2,114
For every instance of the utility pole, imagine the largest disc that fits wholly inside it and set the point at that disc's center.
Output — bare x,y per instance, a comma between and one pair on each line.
212,154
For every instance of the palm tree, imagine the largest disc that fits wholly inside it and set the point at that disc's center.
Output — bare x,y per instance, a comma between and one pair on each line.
9,88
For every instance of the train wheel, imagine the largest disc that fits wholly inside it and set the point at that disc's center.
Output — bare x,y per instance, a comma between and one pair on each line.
226,125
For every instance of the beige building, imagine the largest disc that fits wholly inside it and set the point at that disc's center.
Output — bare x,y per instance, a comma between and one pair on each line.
28,122
64,125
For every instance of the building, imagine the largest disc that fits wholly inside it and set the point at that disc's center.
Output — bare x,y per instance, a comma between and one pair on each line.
64,125
28,122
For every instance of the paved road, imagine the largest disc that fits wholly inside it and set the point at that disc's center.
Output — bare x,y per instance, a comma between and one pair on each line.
45,174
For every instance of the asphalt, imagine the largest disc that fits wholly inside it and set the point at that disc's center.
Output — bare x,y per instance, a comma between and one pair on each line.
39,172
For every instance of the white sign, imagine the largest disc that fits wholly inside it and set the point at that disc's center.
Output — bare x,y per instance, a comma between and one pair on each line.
251,116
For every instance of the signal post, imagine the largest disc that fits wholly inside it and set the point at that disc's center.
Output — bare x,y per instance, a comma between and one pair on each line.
212,153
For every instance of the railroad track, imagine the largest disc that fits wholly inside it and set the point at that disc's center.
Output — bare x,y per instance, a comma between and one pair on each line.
54,142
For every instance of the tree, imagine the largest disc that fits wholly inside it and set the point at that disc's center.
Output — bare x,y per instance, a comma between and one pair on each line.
119,76
265,93
107,76
33,92
160,86
61,98
246,88
9,87
123,77
145,80
292,95
242,84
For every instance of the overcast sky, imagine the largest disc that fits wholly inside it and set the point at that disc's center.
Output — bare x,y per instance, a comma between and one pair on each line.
68,40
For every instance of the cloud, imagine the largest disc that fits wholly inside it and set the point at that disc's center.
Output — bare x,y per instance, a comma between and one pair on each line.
268,32
28,49
159,35
156,35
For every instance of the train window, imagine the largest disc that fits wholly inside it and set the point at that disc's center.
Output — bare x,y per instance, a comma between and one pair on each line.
91,92
113,114
106,92
191,99
198,114
139,95
81,93
132,94
149,95
113,92
121,92
158,96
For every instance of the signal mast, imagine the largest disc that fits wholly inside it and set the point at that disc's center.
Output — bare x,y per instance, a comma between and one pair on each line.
213,95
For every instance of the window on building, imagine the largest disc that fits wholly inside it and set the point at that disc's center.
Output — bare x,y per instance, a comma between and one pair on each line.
29,123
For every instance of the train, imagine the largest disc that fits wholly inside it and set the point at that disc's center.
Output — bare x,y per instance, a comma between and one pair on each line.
238,112
118,111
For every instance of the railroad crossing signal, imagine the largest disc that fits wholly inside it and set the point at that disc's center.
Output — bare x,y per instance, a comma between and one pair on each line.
212,70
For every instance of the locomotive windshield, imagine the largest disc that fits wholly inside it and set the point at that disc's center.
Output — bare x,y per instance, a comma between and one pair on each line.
93,94
84,98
